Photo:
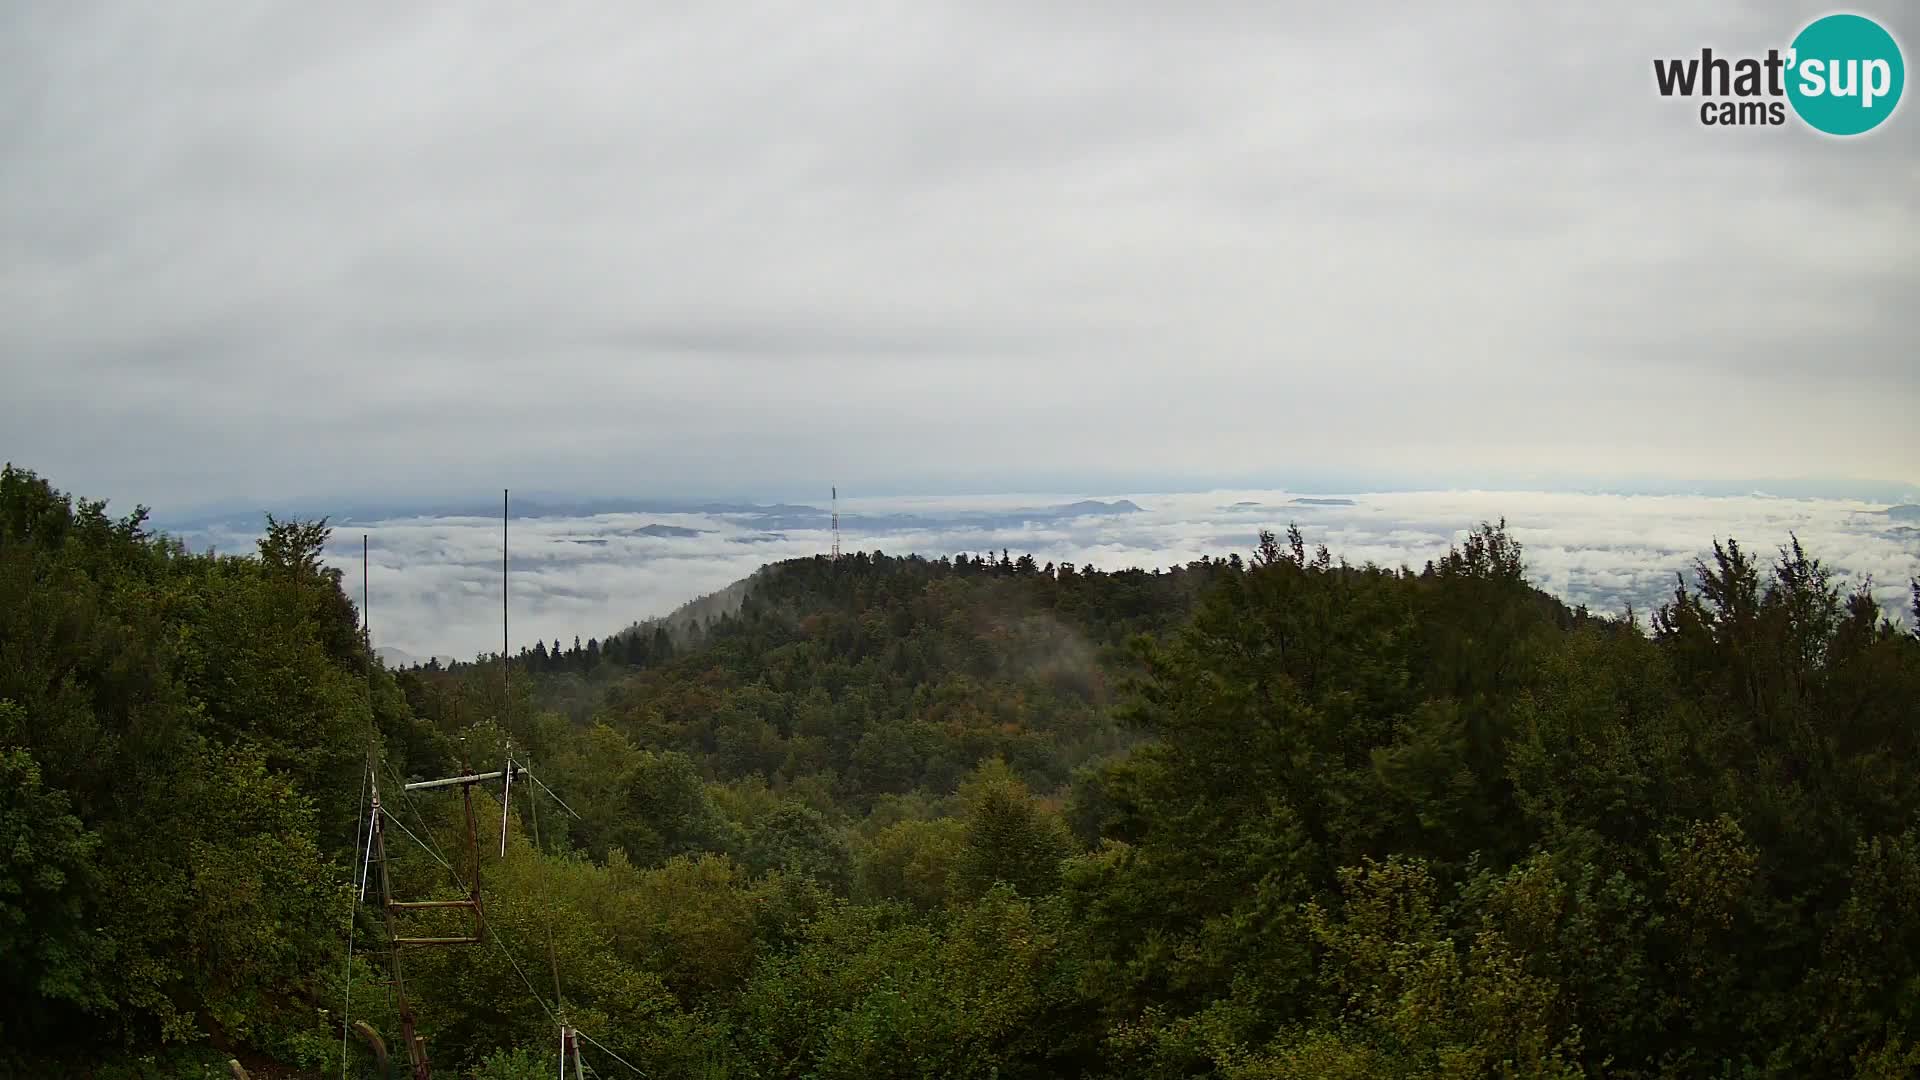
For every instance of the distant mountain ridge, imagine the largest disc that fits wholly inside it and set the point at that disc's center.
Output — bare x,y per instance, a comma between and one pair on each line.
771,516
1086,507
399,658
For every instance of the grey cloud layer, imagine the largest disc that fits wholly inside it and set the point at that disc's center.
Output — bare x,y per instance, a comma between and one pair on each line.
755,247
436,581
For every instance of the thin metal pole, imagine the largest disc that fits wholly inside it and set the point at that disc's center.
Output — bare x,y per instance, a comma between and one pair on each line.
506,800
473,852
353,912
503,607
364,867
366,778
553,957
366,644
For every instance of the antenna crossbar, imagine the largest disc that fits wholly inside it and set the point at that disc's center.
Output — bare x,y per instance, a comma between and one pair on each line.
451,781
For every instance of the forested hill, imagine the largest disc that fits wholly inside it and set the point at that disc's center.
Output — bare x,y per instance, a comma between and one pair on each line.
1107,605
884,675
1261,818
874,674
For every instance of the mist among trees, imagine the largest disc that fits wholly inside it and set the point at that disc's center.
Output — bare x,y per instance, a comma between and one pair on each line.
1272,816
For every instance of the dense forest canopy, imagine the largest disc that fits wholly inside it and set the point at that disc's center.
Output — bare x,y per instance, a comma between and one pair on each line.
1254,818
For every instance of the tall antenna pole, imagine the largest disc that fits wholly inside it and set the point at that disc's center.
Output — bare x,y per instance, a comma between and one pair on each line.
366,645
503,607
365,861
366,642
836,523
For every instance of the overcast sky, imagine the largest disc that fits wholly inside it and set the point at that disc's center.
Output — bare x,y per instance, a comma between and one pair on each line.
755,248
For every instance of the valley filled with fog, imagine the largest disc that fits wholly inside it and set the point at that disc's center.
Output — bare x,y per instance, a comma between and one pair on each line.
592,568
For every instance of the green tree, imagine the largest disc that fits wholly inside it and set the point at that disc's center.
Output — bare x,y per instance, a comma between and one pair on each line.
1010,838
914,862
46,882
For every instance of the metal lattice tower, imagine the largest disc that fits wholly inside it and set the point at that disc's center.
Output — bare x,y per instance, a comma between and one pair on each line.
836,522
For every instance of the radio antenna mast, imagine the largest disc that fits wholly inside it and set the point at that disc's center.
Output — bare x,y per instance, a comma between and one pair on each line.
503,609
836,523
470,900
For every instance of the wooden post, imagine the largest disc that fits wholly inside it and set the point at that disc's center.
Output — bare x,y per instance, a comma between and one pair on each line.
416,1046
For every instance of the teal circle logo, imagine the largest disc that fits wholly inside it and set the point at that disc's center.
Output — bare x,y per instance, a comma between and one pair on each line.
1845,74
